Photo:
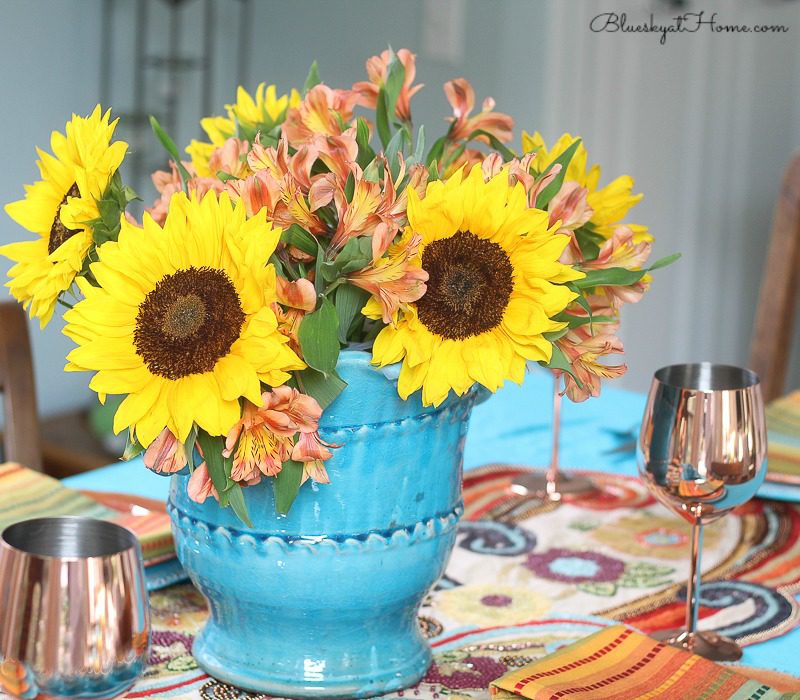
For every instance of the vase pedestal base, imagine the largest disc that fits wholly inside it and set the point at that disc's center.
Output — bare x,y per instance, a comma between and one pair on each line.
362,675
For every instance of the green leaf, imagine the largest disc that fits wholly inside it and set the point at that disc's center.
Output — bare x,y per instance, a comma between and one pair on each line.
169,146
130,195
319,277
559,361
553,336
433,171
328,216
349,302
323,388
372,173
109,212
329,270
188,447
585,305
237,502
419,150
353,256
313,77
394,83
589,242
365,152
212,446
663,262
575,321
225,177
553,187
391,154
319,338
381,118
350,187
435,154
287,485
609,277
496,144
297,236
132,449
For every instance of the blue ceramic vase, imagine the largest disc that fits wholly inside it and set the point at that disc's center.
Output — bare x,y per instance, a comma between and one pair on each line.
323,602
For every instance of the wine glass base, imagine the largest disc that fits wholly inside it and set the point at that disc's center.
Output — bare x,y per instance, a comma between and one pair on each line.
709,645
536,484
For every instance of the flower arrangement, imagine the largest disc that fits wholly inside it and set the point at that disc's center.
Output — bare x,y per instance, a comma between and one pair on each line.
300,227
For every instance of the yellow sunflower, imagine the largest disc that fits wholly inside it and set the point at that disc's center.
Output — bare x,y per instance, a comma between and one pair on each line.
610,204
181,321
57,208
493,288
252,113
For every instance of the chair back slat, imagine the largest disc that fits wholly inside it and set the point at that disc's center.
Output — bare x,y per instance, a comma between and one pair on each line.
21,441
772,331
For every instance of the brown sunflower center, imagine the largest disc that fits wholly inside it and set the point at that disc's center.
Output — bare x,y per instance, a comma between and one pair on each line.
470,281
58,232
188,322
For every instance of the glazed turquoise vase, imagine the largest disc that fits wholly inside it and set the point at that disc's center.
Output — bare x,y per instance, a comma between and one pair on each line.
322,602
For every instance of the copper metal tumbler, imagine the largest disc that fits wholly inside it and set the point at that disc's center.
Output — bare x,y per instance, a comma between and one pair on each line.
74,617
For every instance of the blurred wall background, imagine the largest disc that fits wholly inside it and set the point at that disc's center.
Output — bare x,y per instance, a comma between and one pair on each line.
705,122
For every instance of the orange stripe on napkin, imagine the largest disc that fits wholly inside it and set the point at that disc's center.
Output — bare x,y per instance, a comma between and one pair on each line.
618,662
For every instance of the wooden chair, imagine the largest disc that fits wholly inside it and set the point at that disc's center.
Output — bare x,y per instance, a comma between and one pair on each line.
770,349
21,435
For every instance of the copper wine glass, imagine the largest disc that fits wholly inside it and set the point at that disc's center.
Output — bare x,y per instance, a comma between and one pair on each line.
702,452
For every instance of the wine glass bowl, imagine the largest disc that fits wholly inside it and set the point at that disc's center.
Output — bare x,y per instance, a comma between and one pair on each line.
703,442
702,452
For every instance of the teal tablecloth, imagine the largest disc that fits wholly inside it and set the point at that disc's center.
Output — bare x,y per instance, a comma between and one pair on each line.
514,426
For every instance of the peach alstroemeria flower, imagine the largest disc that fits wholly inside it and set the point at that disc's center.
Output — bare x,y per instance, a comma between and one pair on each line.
264,438
312,451
322,111
169,183
289,321
461,97
621,250
375,207
255,448
230,158
338,152
200,485
395,279
257,191
455,158
378,72
299,294
166,454
519,171
360,215
569,206
278,163
583,351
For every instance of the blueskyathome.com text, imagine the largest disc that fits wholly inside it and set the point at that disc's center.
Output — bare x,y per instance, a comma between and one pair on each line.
686,23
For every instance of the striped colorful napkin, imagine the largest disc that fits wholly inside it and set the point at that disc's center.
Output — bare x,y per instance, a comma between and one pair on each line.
620,663
26,494
783,423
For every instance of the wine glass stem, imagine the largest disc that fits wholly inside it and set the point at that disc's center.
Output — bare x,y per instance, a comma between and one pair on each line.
693,587
552,472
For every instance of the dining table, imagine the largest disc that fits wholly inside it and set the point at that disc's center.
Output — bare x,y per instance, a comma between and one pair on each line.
528,575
